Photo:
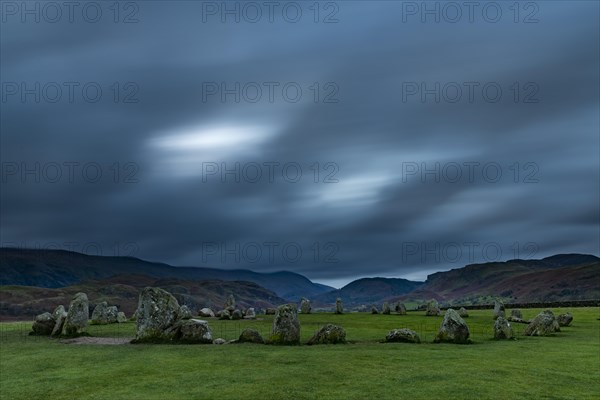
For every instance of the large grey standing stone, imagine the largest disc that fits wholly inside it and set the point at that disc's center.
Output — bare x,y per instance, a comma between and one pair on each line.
206,312
403,335
374,310
516,313
59,315
339,307
157,312
498,309
400,308
121,317
453,329
43,324
463,312
76,322
502,329
230,303
250,335
386,308
433,309
99,313
286,327
305,307
250,313
193,331
329,334
564,319
543,324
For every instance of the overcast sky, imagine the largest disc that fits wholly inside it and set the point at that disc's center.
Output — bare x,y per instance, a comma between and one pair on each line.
358,138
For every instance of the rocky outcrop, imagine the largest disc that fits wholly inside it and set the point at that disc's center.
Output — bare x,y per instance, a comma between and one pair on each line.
250,335
403,335
453,329
286,327
76,321
433,309
329,334
502,329
543,324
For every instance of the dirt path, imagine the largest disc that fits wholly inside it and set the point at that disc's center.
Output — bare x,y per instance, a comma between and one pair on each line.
97,340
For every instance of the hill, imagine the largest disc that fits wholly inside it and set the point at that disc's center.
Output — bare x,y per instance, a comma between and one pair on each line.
123,291
368,290
59,268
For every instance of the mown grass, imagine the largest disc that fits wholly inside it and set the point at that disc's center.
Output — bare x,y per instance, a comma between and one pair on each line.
563,366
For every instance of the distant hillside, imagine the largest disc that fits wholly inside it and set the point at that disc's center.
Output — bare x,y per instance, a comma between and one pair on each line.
123,291
560,277
368,290
58,268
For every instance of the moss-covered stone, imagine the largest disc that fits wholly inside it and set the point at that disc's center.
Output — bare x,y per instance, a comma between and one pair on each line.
453,329
329,334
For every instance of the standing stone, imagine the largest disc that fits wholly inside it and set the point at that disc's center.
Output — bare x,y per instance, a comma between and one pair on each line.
286,327
121,317
339,307
59,315
433,309
185,312
250,335
224,314
250,313
374,310
206,312
453,329
76,321
564,319
502,329
329,334
498,309
400,308
543,324
463,312
43,324
193,331
103,314
305,307
403,335
386,308
516,313
230,303
157,313
237,314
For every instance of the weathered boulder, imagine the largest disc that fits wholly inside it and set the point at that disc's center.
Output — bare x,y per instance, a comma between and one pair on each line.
305,307
270,311
502,329
193,331
121,317
374,310
564,319
433,309
339,307
543,324
386,308
103,314
158,312
43,324
206,312
516,313
237,314
329,334
230,303
76,321
400,308
219,341
403,335
59,315
498,309
224,314
185,312
250,335
286,327
463,312
453,329
250,313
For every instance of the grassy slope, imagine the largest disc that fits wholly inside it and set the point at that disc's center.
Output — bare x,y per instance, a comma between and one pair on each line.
563,366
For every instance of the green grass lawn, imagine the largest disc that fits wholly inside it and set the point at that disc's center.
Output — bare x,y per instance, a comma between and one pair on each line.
563,366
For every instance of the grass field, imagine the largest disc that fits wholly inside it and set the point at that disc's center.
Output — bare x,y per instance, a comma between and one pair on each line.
563,366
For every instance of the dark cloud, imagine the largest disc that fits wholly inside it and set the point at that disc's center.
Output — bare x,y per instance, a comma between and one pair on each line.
381,217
